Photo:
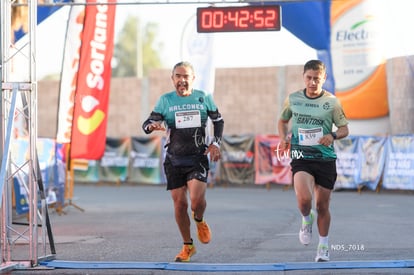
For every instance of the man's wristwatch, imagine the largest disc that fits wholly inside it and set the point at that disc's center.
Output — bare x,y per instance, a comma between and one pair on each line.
333,134
215,144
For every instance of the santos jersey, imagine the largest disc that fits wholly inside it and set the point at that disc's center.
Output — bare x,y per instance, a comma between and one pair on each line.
186,119
312,118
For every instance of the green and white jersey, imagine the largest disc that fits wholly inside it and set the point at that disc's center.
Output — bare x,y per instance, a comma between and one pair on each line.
312,118
186,118
185,111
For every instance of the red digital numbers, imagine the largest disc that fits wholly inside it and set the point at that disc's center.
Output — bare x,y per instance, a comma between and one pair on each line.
259,19
235,19
244,19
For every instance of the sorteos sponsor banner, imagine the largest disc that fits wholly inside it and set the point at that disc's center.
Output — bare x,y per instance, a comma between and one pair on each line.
93,81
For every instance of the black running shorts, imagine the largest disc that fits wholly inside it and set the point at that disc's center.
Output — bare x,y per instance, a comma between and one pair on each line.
324,172
178,173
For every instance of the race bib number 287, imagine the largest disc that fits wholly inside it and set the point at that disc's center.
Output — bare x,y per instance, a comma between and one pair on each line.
187,119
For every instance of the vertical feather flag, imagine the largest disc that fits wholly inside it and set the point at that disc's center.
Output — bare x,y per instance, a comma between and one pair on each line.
70,66
88,85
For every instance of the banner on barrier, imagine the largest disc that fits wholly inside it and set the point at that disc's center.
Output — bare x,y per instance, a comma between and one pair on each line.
372,152
348,163
399,163
114,163
88,173
49,172
237,162
271,165
145,160
362,161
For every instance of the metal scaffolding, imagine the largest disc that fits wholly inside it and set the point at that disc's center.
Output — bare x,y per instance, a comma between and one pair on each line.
23,244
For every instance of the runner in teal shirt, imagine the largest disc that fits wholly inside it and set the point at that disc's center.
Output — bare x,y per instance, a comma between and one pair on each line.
312,118
186,119
185,113
312,113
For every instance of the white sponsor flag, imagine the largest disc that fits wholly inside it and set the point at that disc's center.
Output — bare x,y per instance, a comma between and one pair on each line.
70,68
198,49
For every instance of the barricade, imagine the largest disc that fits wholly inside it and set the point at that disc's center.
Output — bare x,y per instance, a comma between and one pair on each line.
364,162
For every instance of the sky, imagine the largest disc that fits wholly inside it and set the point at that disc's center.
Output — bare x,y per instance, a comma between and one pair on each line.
242,49
231,50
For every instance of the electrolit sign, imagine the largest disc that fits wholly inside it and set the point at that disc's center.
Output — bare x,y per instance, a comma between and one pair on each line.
356,46
358,58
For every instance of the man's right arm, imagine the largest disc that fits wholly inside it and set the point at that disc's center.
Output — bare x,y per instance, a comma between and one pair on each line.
283,126
154,122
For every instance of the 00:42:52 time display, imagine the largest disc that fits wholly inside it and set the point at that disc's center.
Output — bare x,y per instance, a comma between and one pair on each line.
240,19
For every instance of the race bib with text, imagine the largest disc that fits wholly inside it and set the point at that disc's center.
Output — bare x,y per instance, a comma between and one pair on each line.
309,137
187,119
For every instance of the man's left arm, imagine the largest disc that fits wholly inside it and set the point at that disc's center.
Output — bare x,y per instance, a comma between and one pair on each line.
342,132
218,127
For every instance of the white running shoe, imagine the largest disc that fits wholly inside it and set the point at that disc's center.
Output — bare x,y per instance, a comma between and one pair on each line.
323,253
305,232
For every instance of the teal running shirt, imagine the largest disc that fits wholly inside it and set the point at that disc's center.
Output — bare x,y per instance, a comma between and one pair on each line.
312,118
186,119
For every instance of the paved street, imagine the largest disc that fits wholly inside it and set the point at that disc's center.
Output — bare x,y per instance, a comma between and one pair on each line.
252,227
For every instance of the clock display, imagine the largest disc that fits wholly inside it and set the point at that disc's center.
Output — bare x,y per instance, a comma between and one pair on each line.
238,19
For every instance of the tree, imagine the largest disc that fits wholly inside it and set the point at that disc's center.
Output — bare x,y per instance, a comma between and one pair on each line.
136,51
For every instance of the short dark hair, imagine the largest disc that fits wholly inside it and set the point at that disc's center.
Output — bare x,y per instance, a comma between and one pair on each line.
184,64
315,65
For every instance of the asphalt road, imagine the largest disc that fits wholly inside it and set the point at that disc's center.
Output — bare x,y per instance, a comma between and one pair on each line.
252,227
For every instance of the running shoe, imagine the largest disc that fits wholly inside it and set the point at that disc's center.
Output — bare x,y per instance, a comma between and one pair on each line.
322,254
305,233
186,252
203,231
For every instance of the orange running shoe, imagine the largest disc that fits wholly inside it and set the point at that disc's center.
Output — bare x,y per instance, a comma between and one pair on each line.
203,231
186,252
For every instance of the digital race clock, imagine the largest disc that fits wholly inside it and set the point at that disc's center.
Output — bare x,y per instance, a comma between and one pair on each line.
238,19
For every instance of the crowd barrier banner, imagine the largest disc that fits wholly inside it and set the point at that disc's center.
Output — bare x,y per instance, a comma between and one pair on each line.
20,194
363,161
59,180
88,173
46,158
348,163
114,163
145,165
237,161
19,156
49,167
272,165
48,172
399,163
372,151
